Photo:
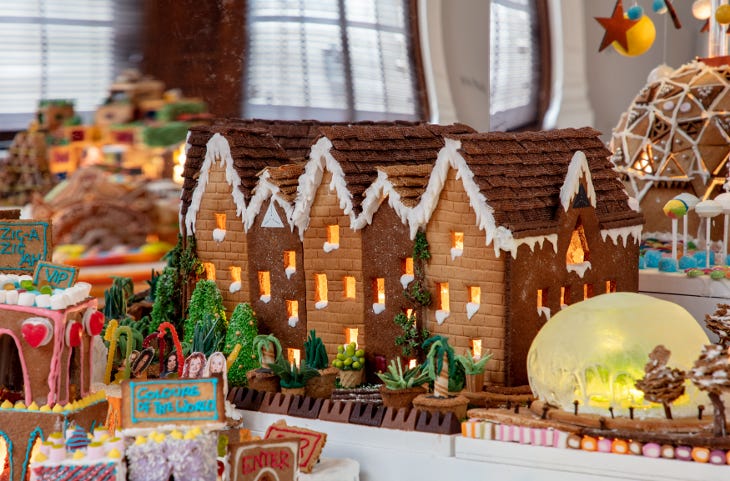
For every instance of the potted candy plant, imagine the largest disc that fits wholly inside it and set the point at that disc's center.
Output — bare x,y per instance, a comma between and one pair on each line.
349,362
401,386
442,368
292,378
474,370
268,349
315,356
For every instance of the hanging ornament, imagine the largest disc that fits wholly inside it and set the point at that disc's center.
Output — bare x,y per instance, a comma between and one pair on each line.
722,14
659,6
37,331
635,12
616,26
640,38
702,9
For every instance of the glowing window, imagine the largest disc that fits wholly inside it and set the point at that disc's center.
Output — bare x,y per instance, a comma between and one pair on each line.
564,296
264,283
292,308
443,296
408,266
320,288
351,334
294,356
333,234
379,290
409,313
457,240
209,270
349,287
587,291
235,274
578,248
220,221
476,348
541,297
610,286
290,260
475,294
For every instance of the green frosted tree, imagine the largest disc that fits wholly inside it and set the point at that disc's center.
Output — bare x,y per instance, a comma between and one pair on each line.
206,301
242,329
167,300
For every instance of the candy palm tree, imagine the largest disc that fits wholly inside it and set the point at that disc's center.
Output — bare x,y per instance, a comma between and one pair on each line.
440,356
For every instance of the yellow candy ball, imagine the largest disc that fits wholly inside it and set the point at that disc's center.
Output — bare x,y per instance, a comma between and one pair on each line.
640,38
722,14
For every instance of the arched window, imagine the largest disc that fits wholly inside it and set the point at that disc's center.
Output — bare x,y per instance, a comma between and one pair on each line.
337,60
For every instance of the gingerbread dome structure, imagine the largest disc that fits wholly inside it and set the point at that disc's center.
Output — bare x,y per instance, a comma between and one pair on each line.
675,136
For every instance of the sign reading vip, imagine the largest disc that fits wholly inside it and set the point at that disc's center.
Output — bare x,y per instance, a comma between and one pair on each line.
55,275
157,402
23,244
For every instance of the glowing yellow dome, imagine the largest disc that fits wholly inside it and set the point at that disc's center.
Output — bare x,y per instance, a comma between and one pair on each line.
595,350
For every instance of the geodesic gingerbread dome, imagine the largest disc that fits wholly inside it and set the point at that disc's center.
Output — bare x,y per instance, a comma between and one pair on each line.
675,135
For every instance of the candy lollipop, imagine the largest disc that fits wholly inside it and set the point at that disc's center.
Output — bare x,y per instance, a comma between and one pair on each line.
724,200
691,202
708,209
674,209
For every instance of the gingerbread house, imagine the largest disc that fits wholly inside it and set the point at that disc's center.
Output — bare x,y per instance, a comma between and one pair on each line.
518,226
46,348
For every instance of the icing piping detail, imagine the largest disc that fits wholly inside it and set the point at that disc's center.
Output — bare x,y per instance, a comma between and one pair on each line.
577,169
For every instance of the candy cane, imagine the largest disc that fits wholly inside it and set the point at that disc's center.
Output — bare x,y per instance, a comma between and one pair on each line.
176,341
109,336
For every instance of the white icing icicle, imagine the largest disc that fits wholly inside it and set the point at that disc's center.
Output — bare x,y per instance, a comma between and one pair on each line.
217,150
622,233
471,309
441,316
579,268
219,235
235,287
576,170
378,307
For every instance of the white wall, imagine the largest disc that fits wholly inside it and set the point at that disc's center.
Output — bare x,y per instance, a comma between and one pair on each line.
613,80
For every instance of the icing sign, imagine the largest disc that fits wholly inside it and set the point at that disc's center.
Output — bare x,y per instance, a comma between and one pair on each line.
55,275
269,459
177,401
23,244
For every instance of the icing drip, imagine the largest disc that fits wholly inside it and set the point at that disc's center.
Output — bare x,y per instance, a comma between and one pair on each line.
579,269
622,233
577,169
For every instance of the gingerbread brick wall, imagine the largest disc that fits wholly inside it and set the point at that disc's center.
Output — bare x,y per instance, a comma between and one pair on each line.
233,251
387,243
266,254
346,260
477,266
612,267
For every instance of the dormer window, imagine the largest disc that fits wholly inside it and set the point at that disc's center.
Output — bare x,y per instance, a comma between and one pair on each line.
333,238
290,263
457,244
264,286
443,308
378,295
407,272
219,233
577,257
320,291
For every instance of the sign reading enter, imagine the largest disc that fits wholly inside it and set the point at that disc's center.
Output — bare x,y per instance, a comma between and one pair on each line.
55,275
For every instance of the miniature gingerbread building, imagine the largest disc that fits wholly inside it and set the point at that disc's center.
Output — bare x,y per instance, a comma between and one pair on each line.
518,225
45,348
673,138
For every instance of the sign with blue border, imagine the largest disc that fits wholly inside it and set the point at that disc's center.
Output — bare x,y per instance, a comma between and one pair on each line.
157,402
23,244
55,275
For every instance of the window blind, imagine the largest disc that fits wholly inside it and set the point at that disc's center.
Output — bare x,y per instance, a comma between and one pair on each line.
59,50
337,60
515,64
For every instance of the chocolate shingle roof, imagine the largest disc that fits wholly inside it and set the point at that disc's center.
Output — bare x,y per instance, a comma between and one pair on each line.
521,174
286,178
251,150
360,148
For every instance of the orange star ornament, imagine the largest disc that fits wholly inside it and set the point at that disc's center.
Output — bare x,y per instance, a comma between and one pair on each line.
616,27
